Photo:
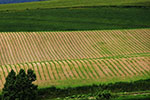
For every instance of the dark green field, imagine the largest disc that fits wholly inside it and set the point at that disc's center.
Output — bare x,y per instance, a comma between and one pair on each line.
65,19
62,15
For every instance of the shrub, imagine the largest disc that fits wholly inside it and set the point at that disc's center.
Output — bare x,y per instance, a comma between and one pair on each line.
105,95
20,87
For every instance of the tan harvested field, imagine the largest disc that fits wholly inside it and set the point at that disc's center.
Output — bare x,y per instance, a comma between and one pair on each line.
103,56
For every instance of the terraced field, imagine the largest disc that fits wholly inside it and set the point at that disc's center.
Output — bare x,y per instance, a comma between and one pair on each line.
60,58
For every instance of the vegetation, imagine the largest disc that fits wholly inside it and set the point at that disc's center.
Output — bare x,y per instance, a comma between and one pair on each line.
73,3
133,97
79,57
96,91
75,45
101,95
72,61
68,19
117,91
75,15
20,87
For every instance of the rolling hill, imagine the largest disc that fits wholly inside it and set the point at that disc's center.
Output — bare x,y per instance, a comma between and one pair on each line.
66,58
73,3
71,43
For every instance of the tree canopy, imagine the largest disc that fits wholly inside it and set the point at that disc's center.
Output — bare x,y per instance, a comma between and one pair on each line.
20,87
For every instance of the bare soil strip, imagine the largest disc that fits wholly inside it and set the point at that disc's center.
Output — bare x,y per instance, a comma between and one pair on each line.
80,69
59,70
105,68
52,77
2,77
64,70
53,68
120,71
99,69
127,70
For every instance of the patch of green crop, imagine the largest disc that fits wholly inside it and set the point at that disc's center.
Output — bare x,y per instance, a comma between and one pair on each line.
70,19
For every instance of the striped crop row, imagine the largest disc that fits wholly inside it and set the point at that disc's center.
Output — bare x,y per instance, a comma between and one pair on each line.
57,57
22,47
51,71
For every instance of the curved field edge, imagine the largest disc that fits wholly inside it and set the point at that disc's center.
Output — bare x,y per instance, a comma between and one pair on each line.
73,73
73,3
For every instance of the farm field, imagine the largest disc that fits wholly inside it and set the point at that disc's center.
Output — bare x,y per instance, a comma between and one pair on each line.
75,19
74,15
72,3
91,56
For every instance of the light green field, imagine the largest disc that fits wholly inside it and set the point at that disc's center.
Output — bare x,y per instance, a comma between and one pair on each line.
73,3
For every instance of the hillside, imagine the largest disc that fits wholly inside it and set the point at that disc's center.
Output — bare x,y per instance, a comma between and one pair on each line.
79,49
73,3
56,57
74,15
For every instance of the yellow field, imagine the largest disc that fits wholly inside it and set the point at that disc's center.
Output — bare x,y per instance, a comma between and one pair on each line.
79,55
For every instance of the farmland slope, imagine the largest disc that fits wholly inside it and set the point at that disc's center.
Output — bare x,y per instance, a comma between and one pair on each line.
90,56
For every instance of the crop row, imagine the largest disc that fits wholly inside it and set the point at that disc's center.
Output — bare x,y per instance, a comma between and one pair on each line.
22,47
82,69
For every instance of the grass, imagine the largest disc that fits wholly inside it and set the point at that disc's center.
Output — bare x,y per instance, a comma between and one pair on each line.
118,90
74,15
72,3
88,82
85,96
133,97
67,19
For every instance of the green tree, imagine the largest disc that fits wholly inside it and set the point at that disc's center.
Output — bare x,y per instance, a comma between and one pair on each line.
20,87
9,88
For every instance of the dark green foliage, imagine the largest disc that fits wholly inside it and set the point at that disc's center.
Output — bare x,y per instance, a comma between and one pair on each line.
54,92
133,97
69,19
0,96
104,95
20,87
140,85
9,87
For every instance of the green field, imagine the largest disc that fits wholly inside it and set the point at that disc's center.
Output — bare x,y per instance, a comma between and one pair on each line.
67,19
93,15
73,3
